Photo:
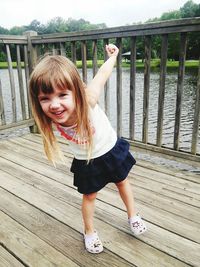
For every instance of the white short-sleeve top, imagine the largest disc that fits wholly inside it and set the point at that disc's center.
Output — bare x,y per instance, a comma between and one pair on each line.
104,136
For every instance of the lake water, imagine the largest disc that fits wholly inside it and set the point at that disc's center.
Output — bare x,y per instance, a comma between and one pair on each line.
190,83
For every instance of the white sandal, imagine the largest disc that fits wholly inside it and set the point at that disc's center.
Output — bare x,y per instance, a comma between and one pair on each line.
137,225
93,243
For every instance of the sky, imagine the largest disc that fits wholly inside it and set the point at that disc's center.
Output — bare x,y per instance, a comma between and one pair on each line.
112,12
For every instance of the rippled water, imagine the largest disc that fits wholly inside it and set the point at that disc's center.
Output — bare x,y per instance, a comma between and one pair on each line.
190,83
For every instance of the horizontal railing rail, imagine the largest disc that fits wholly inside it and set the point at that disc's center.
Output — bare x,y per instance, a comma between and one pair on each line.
76,44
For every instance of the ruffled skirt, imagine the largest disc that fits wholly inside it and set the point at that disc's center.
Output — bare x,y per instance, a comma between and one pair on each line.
112,167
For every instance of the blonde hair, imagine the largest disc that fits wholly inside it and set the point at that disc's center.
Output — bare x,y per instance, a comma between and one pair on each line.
58,72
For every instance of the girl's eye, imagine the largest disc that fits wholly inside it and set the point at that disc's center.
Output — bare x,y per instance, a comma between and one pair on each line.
43,99
63,95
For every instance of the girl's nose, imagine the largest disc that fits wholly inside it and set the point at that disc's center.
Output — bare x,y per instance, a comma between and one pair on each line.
55,104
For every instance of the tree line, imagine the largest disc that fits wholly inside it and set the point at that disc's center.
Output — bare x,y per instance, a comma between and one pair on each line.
58,24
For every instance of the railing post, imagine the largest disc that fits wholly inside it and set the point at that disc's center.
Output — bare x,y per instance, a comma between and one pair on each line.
196,116
147,66
32,51
32,59
181,73
161,98
132,88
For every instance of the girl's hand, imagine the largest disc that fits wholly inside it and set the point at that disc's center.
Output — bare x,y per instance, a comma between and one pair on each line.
112,50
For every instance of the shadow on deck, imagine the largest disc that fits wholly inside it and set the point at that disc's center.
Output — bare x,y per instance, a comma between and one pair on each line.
40,217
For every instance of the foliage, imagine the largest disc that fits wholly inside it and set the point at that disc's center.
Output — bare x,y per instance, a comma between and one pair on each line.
58,24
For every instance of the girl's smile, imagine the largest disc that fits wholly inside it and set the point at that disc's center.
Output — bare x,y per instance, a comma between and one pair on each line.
59,106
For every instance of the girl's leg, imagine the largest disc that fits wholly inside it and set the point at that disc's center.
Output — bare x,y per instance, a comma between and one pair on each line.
91,239
88,205
136,223
126,194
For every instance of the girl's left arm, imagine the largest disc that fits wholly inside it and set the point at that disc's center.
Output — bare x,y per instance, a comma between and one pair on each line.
95,87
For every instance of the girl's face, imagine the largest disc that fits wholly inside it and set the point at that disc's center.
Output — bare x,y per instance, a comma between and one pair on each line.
59,106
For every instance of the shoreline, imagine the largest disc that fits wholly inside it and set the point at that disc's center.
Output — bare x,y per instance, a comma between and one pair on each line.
155,63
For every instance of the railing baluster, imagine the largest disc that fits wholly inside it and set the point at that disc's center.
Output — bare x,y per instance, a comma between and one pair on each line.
147,66
94,57
26,69
84,61
106,88
181,72
21,85
132,88
2,112
54,49
12,84
73,52
196,116
163,67
62,49
119,88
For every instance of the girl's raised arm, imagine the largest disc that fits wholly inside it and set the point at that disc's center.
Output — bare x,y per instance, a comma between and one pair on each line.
95,87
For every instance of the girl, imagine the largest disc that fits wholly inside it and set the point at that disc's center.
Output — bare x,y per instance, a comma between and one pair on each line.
60,98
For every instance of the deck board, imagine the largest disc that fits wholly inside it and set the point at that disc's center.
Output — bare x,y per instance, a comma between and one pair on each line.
40,205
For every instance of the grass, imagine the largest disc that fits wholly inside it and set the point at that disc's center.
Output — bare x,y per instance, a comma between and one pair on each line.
155,63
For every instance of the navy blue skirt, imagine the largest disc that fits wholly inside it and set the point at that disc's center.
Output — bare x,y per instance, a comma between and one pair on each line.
112,167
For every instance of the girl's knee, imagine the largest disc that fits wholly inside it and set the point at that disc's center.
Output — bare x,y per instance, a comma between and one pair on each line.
90,197
122,183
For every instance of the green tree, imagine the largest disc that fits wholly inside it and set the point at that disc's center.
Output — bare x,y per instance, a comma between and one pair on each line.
55,25
17,30
190,9
3,30
35,25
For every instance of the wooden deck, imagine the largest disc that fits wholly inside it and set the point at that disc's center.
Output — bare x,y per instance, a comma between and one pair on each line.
40,217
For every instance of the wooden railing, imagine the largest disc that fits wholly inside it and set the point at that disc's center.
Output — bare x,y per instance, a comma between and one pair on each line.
32,46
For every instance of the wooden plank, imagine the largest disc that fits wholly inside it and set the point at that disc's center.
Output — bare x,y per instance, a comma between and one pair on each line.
196,116
84,61
157,198
165,150
2,111
60,192
146,89
60,236
143,187
163,67
21,85
181,190
30,249
156,174
7,259
17,125
171,225
167,191
12,84
168,179
119,88
171,171
132,88
181,73
142,255
36,138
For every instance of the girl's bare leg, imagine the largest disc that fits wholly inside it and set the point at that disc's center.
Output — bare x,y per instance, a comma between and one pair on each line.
88,206
126,194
